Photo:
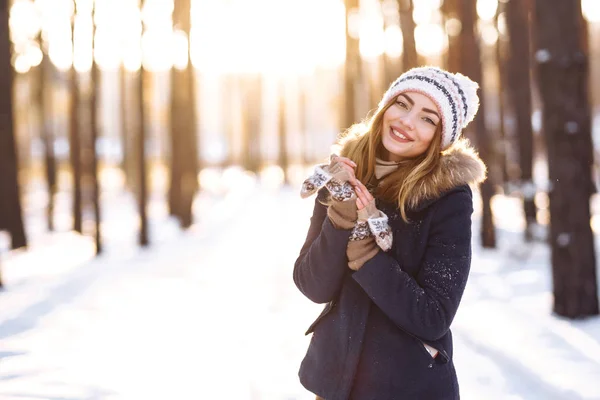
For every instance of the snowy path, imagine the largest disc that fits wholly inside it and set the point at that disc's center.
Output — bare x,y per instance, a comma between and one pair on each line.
213,313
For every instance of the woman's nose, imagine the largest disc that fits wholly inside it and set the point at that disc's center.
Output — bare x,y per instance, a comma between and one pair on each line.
407,121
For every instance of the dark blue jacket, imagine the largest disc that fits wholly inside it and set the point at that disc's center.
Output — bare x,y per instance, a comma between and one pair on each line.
368,342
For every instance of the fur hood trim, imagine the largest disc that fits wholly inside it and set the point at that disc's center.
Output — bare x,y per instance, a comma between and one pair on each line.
459,165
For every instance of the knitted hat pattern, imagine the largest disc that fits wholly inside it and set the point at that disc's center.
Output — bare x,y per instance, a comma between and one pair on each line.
455,96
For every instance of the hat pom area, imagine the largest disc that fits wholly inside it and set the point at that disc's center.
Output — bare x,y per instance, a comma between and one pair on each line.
469,87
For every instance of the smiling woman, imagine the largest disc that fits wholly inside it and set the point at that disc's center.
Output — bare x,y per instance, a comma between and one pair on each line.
389,246
412,112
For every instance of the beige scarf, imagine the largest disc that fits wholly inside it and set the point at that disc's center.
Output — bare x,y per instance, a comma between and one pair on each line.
383,168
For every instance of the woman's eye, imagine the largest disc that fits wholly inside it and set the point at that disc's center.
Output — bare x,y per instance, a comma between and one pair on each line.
429,121
401,104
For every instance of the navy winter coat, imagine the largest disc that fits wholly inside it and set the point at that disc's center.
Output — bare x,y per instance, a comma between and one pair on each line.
367,344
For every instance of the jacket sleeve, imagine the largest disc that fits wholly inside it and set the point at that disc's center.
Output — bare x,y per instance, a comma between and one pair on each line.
425,306
322,263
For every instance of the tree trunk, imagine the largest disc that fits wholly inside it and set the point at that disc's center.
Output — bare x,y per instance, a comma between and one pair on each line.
45,121
484,140
456,34
75,142
410,58
303,112
95,87
252,113
503,107
184,154
126,164
228,105
352,68
563,81
519,83
142,184
284,161
11,217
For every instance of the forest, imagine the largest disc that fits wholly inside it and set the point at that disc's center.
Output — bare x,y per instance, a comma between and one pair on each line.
159,98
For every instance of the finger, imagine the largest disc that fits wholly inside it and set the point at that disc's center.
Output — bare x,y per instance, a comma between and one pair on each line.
363,189
359,203
350,174
346,161
362,195
346,174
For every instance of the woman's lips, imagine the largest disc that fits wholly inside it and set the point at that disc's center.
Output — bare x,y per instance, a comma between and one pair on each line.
400,136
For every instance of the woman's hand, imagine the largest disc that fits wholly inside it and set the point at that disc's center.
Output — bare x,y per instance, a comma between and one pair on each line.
363,197
339,164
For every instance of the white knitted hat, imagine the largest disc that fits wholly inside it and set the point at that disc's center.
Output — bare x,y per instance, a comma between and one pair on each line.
454,94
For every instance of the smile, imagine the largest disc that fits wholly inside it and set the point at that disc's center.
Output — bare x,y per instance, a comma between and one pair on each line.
400,136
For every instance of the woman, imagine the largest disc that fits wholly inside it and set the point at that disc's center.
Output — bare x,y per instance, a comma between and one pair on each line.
389,245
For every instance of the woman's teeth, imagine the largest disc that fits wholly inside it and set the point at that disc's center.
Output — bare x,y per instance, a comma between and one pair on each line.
401,136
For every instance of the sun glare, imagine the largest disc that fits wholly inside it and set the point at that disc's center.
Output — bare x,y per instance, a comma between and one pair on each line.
393,41
234,36
591,10
486,9
430,39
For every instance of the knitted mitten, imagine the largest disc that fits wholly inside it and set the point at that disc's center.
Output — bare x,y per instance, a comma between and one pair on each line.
316,181
343,214
342,211
371,221
362,246
381,231
333,177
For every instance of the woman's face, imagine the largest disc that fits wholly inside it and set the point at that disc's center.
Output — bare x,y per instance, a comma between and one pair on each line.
409,126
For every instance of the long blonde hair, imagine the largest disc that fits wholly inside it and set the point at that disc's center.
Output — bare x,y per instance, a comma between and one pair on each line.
362,144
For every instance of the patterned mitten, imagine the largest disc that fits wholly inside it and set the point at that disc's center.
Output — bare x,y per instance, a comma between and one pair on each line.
361,251
333,177
316,181
338,186
372,221
381,230
343,214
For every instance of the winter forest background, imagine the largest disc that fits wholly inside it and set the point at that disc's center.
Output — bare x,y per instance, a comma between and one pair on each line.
142,141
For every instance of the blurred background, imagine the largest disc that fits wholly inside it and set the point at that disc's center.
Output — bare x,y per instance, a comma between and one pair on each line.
151,156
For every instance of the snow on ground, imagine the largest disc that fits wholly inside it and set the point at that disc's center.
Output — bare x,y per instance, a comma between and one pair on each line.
213,312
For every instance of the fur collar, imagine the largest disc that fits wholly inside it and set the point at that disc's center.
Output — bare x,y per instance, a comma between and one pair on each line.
460,165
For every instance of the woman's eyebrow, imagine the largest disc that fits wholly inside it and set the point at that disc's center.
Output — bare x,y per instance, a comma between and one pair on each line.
412,103
431,112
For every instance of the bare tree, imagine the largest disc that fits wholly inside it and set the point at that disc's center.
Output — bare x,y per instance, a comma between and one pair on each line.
452,11
227,105
11,217
45,122
184,153
284,162
352,67
410,58
391,65
124,126
504,108
142,184
75,136
471,66
94,90
251,117
563,81
303,111
519,83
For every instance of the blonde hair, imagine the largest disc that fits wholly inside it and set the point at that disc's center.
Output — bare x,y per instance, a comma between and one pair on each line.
362,144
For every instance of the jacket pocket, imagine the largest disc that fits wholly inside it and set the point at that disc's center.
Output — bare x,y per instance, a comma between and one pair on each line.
440,356
326,310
